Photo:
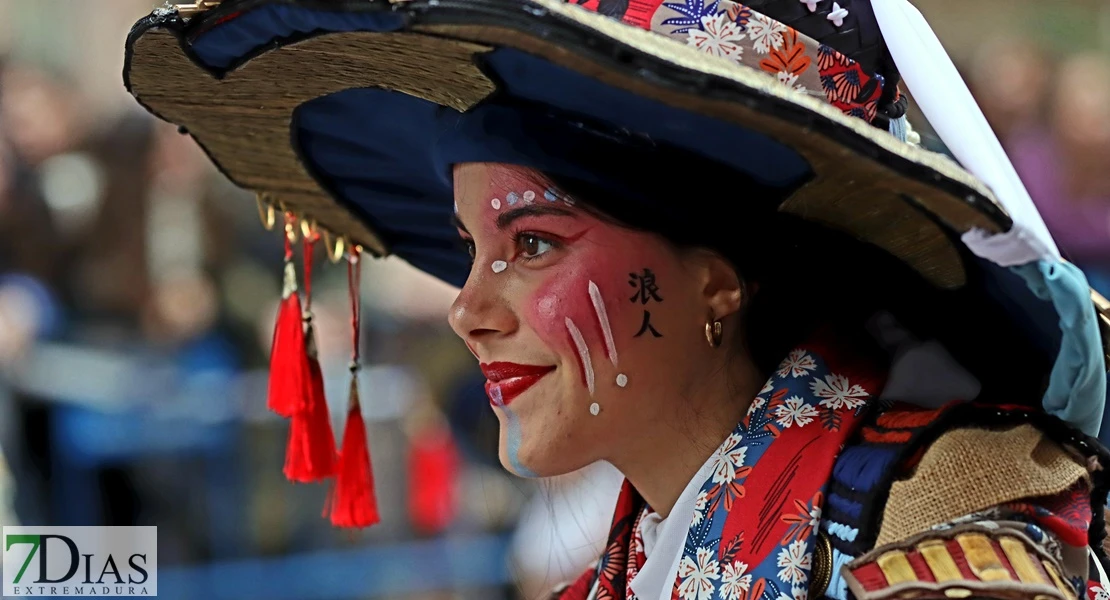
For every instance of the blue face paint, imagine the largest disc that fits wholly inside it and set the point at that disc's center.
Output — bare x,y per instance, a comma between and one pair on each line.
513,440
512,435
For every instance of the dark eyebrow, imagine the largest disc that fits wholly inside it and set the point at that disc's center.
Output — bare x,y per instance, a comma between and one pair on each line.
506,218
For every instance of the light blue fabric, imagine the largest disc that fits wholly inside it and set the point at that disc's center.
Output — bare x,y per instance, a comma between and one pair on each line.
842,531
1077,387
898,128
838,588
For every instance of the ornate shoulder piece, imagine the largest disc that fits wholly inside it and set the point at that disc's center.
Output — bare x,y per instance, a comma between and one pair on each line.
962,562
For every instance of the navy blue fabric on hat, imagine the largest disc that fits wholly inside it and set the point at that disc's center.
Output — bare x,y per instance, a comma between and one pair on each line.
387,156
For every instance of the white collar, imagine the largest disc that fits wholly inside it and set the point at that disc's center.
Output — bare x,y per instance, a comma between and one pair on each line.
668,537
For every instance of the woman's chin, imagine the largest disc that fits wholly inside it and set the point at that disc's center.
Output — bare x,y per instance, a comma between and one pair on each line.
530,461
537,440
521,456
517,467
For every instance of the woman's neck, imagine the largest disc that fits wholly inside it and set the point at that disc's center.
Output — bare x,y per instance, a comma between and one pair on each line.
667,449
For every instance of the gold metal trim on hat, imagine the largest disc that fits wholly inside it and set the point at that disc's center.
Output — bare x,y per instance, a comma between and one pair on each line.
291,227
335,245
308,228
266,212
192,10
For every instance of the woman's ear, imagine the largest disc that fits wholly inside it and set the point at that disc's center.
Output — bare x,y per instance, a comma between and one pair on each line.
721,286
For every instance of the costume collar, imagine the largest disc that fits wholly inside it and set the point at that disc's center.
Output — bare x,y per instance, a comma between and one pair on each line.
662,556
753,523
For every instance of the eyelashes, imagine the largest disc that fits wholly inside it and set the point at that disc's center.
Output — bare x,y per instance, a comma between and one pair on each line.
532,246
466,246
527,245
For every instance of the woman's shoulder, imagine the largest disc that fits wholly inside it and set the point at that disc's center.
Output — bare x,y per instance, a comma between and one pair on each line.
966,496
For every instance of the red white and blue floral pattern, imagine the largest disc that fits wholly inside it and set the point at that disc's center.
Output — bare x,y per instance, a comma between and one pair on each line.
754,526
733,31
757,532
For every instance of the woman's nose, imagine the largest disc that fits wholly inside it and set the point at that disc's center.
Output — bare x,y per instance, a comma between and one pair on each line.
481,311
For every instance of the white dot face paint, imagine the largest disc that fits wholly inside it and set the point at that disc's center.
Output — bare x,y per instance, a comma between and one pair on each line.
529,196
622,380
595,408
499,265
495,203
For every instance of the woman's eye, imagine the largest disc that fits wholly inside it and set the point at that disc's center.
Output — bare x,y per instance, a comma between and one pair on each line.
532,246
470,249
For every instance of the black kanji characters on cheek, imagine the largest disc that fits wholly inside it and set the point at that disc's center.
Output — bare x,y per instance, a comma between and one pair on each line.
646,326
646,291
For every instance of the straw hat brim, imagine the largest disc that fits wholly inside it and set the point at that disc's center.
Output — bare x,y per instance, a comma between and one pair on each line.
911,202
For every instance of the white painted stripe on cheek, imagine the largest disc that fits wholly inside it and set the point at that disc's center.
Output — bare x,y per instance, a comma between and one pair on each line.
603,319
583,354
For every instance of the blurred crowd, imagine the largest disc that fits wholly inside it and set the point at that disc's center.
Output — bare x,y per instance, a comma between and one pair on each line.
131,269
1052,115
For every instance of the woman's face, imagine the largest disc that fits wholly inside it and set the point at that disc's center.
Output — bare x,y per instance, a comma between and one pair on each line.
582,328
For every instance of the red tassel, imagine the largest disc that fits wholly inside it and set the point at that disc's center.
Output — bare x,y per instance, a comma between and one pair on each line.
289,373
310,455
352,502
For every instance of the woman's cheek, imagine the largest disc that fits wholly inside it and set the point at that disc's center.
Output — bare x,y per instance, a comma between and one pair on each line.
581,316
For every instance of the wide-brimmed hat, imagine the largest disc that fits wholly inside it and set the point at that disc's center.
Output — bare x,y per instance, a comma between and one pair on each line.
350,114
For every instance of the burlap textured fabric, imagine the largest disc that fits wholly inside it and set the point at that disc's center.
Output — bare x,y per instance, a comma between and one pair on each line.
968,470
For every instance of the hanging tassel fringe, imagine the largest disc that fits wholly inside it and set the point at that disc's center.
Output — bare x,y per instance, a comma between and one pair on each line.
289,372
310,455
352,502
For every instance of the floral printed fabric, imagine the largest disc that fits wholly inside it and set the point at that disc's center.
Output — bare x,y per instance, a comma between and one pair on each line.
754,527
733,31
756,532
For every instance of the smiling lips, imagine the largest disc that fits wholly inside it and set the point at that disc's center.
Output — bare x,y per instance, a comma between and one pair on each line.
505,380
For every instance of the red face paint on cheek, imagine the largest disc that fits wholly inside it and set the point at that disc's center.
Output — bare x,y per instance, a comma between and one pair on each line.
562,297
578,311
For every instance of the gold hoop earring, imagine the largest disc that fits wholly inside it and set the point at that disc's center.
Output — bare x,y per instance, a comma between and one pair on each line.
714,331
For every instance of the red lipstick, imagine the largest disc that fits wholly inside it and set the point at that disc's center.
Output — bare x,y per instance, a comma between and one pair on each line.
506,380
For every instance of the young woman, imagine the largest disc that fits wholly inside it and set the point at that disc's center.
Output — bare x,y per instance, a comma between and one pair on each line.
827,362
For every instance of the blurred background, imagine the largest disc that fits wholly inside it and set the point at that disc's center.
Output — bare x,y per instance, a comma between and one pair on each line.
138,293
